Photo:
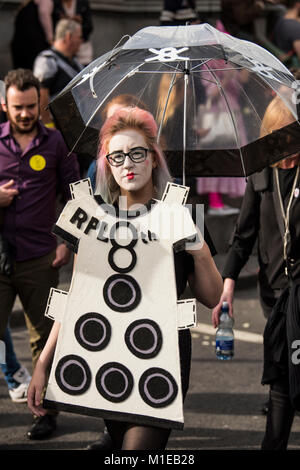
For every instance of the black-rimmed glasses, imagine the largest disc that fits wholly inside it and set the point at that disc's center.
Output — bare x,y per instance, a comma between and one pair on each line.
136,155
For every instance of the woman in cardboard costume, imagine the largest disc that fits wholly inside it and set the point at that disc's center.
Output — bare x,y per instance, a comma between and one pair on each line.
115,348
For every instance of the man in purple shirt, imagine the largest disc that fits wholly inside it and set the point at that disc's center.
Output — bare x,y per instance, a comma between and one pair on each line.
37,160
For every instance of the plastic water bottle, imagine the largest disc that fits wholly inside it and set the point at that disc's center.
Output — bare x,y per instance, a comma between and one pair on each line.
224,335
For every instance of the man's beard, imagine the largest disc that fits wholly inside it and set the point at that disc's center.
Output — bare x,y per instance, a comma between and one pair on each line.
22,130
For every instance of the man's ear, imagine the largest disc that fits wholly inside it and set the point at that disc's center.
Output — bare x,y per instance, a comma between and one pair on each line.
3,104
68,37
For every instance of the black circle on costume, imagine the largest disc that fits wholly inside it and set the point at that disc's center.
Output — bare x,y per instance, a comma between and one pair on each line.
122,293
73,375
93,331
115,227
113,264
114,382
144,338
157,387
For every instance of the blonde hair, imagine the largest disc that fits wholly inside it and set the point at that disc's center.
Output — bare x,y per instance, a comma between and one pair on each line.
175,99
277,115
64,26
141,121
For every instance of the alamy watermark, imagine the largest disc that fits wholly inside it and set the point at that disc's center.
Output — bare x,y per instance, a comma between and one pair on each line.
170,222
296,353
296,93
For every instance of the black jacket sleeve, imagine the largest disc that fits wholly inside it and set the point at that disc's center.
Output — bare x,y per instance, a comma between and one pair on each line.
84,10
246,232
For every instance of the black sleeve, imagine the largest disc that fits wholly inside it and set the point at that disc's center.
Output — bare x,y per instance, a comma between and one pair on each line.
245,234
87,22
184,265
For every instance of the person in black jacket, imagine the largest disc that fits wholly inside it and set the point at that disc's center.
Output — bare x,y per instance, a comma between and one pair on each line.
270,214
33,32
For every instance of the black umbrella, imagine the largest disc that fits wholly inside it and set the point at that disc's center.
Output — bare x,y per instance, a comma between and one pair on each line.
207,90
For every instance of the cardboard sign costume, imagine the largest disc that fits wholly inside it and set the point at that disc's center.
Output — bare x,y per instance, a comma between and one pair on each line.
117,352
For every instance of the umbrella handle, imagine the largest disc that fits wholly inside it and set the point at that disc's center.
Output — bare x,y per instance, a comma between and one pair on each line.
186,80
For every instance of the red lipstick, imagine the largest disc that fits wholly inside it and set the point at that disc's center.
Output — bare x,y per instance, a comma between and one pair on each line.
130,176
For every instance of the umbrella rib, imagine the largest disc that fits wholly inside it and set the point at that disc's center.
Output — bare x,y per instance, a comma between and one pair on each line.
232,118
91,79
186,79
156,71
99,106
165,107
199,65
218,70
172,68
250,103
278,93
117,84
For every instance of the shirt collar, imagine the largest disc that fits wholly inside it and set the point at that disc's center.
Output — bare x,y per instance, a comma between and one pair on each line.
70,60
5,130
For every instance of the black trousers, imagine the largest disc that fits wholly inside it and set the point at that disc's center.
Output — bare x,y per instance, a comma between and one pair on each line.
280,416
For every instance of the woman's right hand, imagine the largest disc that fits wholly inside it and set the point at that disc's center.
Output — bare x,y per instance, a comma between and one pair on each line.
40,375
35,391
226,296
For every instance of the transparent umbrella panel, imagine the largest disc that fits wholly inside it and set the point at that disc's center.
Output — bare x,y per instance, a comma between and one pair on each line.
209,97
225,103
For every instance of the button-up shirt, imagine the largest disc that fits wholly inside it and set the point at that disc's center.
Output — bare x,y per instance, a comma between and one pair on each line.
40,172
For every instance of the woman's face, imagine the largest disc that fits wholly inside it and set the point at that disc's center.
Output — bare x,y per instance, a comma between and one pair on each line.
131,176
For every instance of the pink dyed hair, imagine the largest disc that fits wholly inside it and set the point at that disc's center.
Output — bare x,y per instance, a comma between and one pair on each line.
143,122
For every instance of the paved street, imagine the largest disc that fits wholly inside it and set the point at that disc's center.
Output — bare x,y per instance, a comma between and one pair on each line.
222,410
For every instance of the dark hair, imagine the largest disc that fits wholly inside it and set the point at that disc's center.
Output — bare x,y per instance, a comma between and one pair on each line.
290,3
22,79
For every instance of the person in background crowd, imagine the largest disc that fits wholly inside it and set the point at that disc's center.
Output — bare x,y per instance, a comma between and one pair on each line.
78,10
55,67
270,212
238,17
15,374
178,12
33,161
33,32
286,33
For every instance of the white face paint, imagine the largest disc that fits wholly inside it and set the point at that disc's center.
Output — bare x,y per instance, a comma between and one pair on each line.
132,177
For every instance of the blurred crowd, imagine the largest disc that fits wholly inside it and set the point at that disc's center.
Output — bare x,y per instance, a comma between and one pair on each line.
274,24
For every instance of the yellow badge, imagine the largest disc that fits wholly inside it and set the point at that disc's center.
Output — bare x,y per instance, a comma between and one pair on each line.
37,162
